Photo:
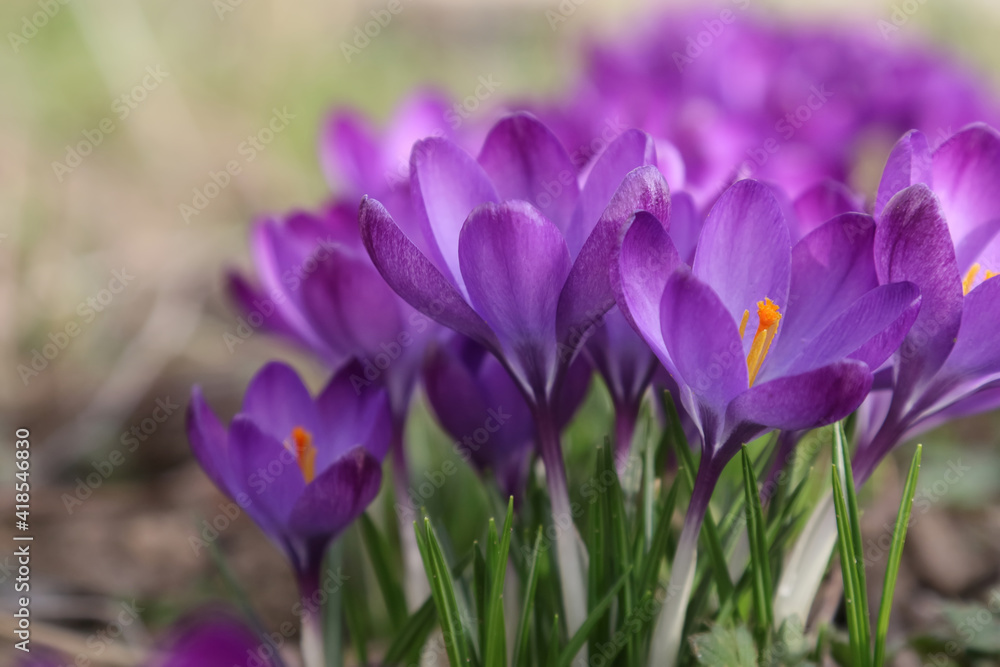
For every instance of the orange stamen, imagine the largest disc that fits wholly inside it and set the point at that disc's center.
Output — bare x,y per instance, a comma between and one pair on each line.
305,453
767,326
743,323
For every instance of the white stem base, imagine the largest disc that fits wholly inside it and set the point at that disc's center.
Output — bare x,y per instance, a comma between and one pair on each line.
804,570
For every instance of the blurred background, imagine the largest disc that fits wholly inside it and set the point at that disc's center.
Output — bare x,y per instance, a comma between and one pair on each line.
114,117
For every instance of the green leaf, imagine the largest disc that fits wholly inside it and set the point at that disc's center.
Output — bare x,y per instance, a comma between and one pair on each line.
480,591
521,641
710,532
895,556
495,651
579,638
843,462
659,546
409,639
725,647
333,634
760,562
622,561
378,555
443,590
357,624
845,546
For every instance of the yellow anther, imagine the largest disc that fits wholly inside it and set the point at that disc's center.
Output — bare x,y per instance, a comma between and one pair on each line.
767,326
743,322
970,277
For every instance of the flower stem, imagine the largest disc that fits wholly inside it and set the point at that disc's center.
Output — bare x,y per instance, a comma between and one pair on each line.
415,588
625,417
670,623
568,548
311,640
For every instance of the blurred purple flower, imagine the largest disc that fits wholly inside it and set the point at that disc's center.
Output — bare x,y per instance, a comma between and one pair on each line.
212,639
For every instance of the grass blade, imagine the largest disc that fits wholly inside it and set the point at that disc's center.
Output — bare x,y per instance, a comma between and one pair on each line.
659,546
495,651
378,555
521,641
895,555
843,462
443,590
851,594
580,637
760,563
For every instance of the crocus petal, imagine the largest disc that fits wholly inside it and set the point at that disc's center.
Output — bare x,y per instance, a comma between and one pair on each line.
976,354
832,267
279,402
870,330
350,305
703,340
208,440
415,278
210,639
266,471
685,225
744,251
966,172
446,184
349,153
797,402
909,163
912,244
588,292
337,496
353,410
514,263
249,298
631,149
525,160
820,203
639,273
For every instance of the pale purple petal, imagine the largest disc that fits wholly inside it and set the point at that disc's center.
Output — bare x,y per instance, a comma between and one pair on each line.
588,292
909,163
912,244
703,340
415,278
514,263
278,402
446,184
631,149
744,251
820,203
525,161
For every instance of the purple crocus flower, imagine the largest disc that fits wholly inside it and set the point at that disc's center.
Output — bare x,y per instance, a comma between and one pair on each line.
939,227
478,404
757,334
515,258
302,468
213,639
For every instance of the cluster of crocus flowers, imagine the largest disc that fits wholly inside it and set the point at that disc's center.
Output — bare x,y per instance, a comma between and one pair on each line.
782,302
